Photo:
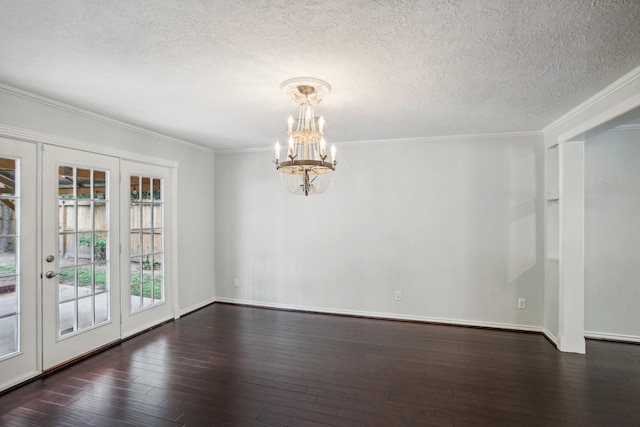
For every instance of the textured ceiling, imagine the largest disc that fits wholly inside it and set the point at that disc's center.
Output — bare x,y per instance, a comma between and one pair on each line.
209,71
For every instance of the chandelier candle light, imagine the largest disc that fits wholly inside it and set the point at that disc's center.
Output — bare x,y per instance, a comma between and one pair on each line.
306,170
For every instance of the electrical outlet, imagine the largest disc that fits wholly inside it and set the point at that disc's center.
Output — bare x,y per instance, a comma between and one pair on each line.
522,303
236,283
398,295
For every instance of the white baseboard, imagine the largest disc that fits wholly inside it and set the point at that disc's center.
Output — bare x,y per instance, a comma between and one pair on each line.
390,316
197,306
19,380
612,337
550,336
145,327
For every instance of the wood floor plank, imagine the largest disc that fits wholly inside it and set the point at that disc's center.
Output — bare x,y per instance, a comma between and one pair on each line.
228,365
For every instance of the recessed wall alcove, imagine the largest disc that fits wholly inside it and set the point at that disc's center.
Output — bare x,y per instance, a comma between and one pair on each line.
592,227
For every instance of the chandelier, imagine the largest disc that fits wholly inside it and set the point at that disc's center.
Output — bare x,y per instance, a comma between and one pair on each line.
306,169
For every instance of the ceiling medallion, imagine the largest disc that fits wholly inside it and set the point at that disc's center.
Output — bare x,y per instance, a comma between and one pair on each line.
306,170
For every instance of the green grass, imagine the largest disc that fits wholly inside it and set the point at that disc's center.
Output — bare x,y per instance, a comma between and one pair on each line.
146,289
6,270
84,279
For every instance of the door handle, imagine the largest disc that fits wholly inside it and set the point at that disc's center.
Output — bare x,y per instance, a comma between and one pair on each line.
50,274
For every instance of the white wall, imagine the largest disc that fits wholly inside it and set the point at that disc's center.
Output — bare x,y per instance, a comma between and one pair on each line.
455,224
195,178
612,234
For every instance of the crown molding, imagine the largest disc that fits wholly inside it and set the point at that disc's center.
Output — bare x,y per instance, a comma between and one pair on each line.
622,82
412,140
579,131
454,138
630,126
95,116
32,136
244,150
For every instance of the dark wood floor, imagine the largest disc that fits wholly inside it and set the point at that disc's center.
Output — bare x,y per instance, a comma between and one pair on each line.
228,365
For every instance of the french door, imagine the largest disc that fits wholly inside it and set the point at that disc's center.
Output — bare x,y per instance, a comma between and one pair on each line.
80,253
145,235
83,254
18,267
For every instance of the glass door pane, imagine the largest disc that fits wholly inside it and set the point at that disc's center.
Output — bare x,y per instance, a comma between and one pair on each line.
83,204
148,293
18,264
146,228
9,266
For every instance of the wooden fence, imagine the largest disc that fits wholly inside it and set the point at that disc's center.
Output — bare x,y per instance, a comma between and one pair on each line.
146,230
